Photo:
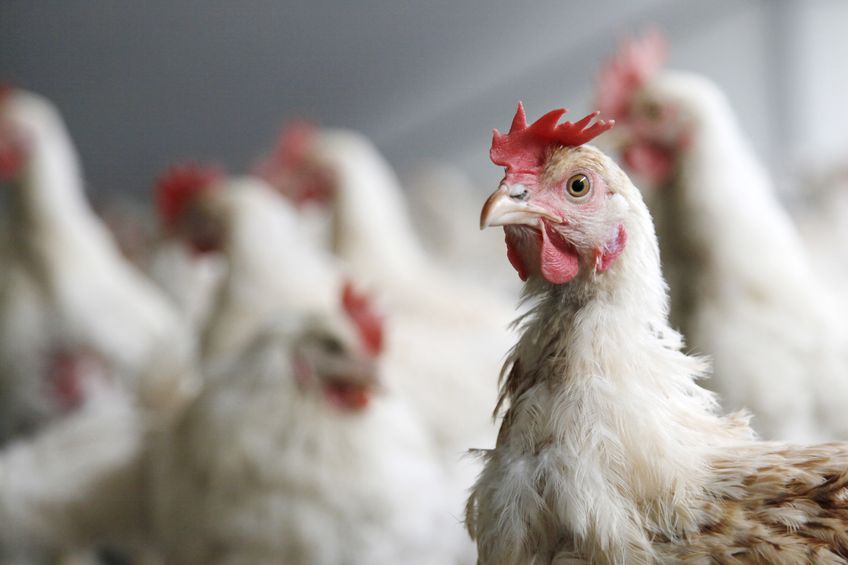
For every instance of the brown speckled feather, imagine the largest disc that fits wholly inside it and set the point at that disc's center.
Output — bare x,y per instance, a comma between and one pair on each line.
773,504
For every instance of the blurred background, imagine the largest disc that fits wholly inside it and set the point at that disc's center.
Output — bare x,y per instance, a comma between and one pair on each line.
142,84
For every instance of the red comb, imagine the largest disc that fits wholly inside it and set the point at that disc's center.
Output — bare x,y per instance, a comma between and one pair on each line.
368,321
523,147
179,185
637,61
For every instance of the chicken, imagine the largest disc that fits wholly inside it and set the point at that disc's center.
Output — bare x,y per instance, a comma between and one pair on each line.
370,227
72,311
271,266
609,452
188,269
299,453
742,286
446,336
74,483
820,212
67,294
189,279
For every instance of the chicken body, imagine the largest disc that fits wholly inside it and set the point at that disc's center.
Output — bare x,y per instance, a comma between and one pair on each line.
265,469
743,288
75,482
609,452
91,356
190,281
271,267
66,292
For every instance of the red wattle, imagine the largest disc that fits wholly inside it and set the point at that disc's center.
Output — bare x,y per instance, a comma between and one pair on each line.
559,259
514,256
346,396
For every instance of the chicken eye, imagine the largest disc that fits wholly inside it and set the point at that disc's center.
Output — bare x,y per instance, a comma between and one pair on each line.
578,186
653,111
331,345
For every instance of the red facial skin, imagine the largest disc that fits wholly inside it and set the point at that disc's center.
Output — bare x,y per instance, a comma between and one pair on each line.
346,396
13,143
343,393
290,169
303,183
658,135
547,249
652,161
13,153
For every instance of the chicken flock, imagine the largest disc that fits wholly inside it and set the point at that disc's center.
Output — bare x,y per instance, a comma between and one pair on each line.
295,370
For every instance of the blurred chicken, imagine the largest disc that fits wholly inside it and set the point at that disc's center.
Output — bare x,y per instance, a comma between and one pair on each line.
298,453
608,451
75,482
271,266
186,262
446,337
71,307
742,287
821,213
370,227
188,278
441,199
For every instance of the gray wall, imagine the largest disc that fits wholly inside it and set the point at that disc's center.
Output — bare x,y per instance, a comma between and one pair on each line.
145,83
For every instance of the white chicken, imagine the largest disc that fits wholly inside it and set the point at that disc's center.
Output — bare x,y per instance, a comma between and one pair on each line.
75,482
270,264
445,336
821,213
67,295
608,451
185,262
189,279
91,356
742,287
297,453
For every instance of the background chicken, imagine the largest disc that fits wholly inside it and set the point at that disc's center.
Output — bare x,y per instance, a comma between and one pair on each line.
68,298
608,451
91,356
74,483
742,287
820,212
300,452
271,266
446,337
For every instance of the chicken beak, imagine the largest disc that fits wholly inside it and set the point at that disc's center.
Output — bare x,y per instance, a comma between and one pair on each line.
503,208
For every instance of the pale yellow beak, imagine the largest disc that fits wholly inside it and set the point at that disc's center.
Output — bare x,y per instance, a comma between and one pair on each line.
505,207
